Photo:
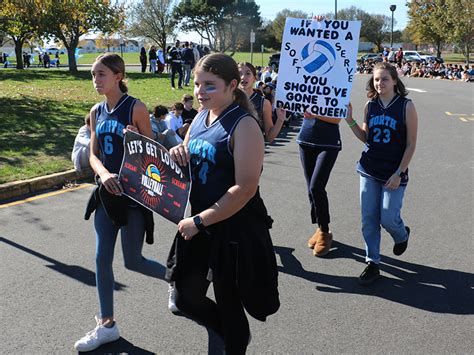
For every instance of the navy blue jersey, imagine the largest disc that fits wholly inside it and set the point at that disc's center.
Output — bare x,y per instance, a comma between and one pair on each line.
212,161
257,101
109,128
319,134
386,141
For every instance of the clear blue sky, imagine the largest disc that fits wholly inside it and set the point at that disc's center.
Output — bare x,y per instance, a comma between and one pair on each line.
269,8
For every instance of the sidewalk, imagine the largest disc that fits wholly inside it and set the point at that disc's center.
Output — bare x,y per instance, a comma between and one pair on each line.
16,189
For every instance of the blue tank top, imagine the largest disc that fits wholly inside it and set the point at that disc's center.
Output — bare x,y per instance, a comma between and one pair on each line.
386,141
257,101
212,161
109,131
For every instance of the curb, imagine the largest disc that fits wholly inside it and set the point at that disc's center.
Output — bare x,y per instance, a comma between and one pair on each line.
15,189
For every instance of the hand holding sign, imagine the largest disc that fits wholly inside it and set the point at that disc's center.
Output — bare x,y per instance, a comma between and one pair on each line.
180,154
317,65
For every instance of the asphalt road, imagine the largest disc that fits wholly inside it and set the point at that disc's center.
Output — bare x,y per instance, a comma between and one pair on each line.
424,303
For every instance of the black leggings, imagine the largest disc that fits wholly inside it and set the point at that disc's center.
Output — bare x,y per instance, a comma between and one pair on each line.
317,165
226,316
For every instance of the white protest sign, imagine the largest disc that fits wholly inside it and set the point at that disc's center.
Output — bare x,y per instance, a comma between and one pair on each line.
317,66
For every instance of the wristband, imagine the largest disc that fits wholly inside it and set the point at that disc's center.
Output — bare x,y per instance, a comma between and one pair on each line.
354,122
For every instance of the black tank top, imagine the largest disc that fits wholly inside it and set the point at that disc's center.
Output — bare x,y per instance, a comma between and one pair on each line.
257,101
212,161
109,131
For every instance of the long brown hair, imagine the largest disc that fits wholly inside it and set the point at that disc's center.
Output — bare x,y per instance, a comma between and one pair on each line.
250,66
399,86
115,63
226,68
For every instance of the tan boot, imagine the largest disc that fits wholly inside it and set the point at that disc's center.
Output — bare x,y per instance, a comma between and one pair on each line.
314,239
323,244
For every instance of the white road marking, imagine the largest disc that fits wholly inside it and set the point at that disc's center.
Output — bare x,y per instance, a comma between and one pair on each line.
417,90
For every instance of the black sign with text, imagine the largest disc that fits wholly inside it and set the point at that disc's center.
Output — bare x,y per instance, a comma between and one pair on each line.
150,177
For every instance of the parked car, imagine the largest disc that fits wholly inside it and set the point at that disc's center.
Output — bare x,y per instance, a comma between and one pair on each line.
410,56
376,57
54,50
412,59
431,58
274,61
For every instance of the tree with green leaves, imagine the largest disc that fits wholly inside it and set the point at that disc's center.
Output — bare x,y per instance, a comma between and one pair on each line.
67,20
264,35
154,20
20,21
442,21
278,24
239,18
428,23
374,28
460,17
222,23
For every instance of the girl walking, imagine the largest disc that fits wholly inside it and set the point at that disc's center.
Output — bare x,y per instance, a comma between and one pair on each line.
226,241
109,119
263,107
389,131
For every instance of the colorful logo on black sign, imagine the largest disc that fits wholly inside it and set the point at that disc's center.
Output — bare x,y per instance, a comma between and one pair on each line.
151,180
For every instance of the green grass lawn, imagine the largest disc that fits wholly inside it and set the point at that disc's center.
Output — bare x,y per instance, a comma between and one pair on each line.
41,111
133,58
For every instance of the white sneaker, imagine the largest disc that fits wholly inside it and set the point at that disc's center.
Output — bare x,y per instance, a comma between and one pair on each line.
172,298
98,336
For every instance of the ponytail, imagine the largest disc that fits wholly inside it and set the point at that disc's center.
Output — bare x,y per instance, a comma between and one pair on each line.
123,86
242,100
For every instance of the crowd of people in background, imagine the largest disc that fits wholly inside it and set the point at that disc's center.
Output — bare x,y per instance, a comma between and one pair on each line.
427,69
430,69
44,60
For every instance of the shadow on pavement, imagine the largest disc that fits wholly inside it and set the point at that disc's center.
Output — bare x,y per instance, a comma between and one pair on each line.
76,272
415,285
121,346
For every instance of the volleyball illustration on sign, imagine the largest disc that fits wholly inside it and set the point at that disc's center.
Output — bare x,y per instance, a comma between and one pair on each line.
318,57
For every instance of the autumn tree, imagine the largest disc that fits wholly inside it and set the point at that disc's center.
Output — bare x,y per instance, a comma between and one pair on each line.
442,21
67,20
154,20
107,40
428,23
19,21
460,17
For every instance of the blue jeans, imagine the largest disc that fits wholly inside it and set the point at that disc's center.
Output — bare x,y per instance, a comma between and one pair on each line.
187,74
132,243
380,206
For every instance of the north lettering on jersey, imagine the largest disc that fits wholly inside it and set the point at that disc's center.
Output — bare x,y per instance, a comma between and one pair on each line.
202,153
383,120
110,126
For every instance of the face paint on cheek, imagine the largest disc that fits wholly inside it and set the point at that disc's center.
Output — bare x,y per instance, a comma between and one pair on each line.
210,89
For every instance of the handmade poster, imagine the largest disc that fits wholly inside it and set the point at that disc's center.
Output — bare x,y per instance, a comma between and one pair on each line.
151,178
317,66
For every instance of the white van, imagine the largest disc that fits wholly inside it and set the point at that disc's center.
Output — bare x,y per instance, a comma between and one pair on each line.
409,55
